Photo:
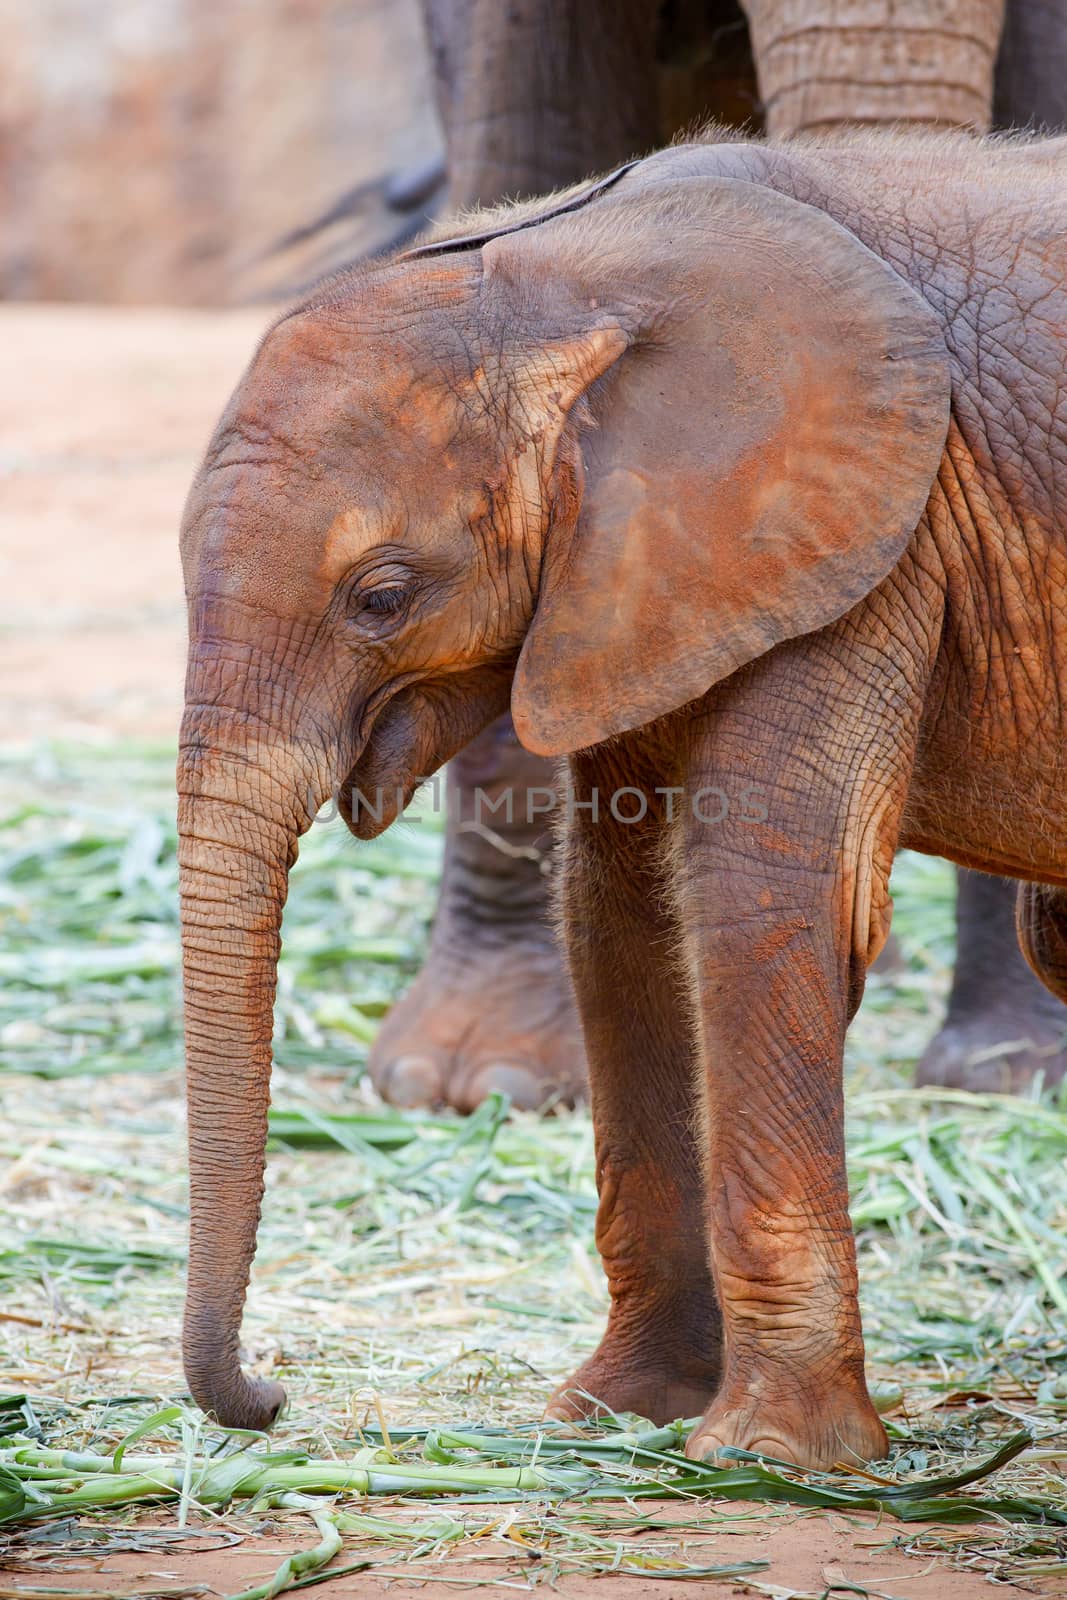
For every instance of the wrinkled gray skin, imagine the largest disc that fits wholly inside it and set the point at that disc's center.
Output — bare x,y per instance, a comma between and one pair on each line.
534,95
751,471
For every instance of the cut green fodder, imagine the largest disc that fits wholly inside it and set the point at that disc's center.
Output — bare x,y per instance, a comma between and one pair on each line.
89,952
556,1475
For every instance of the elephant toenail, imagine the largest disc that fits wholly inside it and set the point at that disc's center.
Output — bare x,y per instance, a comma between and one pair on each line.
704,1447
523,1088
413,1081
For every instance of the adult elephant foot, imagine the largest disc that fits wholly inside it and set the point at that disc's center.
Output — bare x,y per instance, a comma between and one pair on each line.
817,1427
1000,1049
493,1008
1003,1027
482,1017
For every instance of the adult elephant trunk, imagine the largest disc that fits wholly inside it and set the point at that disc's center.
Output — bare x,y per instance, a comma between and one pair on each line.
240,812
926,62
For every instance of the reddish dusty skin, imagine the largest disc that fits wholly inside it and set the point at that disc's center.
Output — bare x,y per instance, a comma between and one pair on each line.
533,97
531,465
1043,933
788,1348
661,1353
780,1235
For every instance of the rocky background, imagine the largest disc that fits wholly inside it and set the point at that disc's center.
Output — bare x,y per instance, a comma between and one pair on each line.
158,151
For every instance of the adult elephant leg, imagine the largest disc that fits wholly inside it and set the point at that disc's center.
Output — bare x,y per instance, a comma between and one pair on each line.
493,1008
538,93
1002,1026
660,1354
532,95
1030,82
829,63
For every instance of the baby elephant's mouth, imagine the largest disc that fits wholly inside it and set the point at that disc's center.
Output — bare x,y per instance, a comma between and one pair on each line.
412,736
368,808
400,753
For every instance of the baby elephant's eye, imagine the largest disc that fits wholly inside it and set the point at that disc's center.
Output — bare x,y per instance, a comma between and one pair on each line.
383,602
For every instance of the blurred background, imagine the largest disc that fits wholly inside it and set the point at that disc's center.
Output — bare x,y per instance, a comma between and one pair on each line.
161,153
158,152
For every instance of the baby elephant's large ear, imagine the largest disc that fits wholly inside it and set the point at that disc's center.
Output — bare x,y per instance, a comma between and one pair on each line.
763,425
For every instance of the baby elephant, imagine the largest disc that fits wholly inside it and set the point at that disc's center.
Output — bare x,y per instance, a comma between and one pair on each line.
742,475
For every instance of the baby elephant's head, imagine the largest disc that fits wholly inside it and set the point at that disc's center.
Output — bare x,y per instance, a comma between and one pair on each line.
593,463
363,544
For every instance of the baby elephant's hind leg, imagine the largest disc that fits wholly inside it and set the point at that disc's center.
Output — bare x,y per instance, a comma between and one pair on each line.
660,1354
1042,924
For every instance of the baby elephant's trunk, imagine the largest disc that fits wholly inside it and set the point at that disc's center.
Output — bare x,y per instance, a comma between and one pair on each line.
238,829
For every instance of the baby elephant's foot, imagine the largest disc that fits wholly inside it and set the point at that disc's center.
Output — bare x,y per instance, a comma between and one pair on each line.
816,1430
662,1387
481,1018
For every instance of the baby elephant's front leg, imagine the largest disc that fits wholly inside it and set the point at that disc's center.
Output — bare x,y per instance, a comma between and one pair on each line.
768,915
771,1035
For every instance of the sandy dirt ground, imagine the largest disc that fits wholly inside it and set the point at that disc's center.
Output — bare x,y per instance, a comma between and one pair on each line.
817,1556
103,415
